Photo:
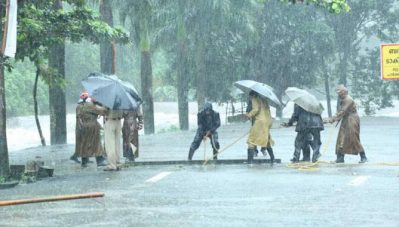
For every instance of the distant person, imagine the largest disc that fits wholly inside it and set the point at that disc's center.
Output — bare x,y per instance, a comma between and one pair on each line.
259,134
112,138
87,132
132,123
208,122
348,141
308,126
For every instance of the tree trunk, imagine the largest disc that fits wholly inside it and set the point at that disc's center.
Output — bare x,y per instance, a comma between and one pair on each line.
43,141
57,102
343,67
182,87
200,76
106,49
328,96
182,75
279,93
4,162
146,90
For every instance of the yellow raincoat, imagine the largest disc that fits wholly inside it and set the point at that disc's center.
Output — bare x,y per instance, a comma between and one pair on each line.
259,135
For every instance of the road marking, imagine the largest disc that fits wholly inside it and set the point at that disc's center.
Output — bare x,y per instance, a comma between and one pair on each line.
359,181
158,177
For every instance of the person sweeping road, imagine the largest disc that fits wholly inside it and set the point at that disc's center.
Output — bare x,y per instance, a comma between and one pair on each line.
208,122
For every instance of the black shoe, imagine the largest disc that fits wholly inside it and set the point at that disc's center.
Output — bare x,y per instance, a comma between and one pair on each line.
271,154
75,159
263,150
250,157
340,158
100,160
215,154
363,157
316,157
294,160
190,154
85,161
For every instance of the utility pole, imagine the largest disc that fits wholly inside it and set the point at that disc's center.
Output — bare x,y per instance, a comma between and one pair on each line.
4,161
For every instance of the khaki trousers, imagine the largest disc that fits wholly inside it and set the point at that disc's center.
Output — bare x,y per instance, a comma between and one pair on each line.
112,137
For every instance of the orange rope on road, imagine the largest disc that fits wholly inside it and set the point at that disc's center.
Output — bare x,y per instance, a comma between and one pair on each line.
225,148
52,199
309,166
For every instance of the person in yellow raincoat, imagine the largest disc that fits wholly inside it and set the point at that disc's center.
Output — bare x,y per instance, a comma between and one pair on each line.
259,134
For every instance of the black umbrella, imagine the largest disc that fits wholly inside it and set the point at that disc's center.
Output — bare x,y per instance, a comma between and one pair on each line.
112,92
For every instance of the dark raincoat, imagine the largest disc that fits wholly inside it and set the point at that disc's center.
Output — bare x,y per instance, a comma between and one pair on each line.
305,120
132,123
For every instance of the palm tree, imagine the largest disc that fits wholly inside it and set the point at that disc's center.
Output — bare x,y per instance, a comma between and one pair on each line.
139,14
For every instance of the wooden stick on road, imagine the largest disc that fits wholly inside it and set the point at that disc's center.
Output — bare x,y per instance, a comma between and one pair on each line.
52,199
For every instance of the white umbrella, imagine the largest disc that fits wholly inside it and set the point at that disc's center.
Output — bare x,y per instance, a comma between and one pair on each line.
262,89
305,100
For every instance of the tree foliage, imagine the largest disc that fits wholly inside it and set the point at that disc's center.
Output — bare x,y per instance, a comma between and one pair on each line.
40,27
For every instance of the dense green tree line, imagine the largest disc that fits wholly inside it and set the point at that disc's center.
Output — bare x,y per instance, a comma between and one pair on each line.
261,39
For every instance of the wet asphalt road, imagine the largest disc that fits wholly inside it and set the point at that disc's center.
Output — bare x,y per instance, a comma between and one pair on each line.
220,195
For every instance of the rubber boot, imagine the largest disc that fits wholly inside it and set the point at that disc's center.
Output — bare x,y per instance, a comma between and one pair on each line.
85,161
297,153
363,157
263,150
74,158
316,156
131,157
250,155
270,151
190,154
100,160
340,158
215,155
306,154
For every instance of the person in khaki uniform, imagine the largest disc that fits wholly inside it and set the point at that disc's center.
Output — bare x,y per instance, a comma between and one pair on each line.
259,134
112,138
132,123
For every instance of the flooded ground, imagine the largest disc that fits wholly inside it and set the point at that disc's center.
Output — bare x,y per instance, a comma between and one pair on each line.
219,195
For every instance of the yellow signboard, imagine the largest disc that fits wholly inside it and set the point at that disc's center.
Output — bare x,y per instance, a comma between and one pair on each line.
390,61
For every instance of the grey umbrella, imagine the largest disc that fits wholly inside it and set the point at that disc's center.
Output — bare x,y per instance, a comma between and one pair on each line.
262,89
305,100
112,92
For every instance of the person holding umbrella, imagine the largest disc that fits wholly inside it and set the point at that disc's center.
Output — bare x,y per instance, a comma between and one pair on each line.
260,95
307,114
259,134
88,139
308,126
348,141
118,96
